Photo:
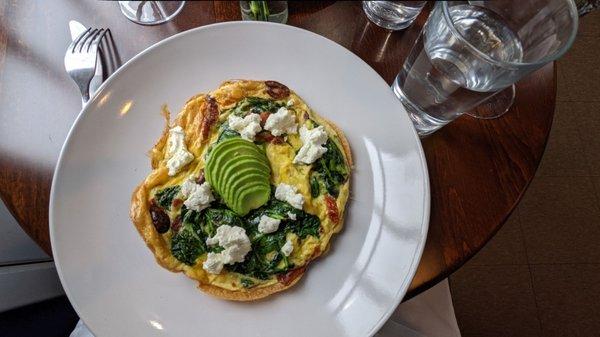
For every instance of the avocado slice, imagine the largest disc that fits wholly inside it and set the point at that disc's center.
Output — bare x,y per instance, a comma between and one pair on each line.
239,172
253,196
231,165
220,149
246,177
231,169
223,152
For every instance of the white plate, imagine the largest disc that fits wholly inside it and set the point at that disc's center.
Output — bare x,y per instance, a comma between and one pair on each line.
111,277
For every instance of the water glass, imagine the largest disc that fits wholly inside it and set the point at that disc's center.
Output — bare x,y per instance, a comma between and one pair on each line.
272,11
470,50
150,12
393,15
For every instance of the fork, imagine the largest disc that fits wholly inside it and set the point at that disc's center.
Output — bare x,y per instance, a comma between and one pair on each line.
80,59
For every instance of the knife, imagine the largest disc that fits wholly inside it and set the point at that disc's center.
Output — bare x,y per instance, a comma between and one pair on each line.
76,29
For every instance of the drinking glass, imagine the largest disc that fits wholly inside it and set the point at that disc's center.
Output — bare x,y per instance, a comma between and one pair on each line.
150,12
273,11
470,50
394,15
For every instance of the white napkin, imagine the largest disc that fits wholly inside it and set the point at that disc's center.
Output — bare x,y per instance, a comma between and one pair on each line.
431,314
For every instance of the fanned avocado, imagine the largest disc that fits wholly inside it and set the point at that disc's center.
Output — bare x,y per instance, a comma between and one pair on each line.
239,171
234,168
226,150
247,177
252,196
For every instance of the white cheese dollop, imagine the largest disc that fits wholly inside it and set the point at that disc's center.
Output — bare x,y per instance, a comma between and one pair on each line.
247,127
312,145
268,225
289,194
236,245
291,215
287,248
177,153
213,263
198,197
283,121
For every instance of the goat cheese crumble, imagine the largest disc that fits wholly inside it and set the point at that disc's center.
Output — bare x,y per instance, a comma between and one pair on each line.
177,153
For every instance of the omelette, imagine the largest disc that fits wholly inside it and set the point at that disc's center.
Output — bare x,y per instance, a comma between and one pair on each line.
248,186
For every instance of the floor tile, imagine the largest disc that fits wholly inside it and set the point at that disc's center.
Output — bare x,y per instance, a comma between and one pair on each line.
589,25
506,247
494,301
560,220
580,69
588,113
568,299
564,154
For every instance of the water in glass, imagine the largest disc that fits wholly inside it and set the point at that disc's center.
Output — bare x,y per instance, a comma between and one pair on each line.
440,80
394,15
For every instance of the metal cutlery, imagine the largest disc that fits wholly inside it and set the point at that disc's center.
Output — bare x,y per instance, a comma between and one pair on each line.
81,59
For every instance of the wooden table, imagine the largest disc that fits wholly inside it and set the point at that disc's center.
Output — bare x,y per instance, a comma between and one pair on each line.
478,169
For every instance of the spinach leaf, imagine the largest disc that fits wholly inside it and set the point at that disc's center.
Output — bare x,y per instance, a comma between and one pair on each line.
190,241
246,282
165,197
275,209
186,246
331,168
216,217
225,133
256,105
257,264
315,189
304,225
309,225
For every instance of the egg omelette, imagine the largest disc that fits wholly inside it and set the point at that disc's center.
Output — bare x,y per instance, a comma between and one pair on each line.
248,185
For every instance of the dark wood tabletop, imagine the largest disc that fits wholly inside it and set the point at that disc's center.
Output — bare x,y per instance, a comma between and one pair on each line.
479,169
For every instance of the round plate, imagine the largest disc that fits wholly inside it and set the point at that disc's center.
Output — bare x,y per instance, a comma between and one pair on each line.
110,275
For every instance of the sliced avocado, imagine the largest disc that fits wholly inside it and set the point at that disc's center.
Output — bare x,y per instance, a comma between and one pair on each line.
231,169
246,177
239,172
231,151
223,152
254,195
223,173
217,153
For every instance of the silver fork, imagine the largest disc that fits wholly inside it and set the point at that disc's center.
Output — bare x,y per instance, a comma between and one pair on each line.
80,59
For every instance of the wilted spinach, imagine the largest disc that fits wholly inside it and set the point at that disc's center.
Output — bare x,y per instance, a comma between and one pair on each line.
256,105
257,264
190,242
216,217
309,225
331,169
304,225
315,189
186,245
225,133
165,197
246,282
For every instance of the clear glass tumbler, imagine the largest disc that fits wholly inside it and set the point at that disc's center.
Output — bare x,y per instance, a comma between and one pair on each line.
150,12
470,50
393,15
272,11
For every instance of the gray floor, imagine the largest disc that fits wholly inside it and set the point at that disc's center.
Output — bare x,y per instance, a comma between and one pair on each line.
540,275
